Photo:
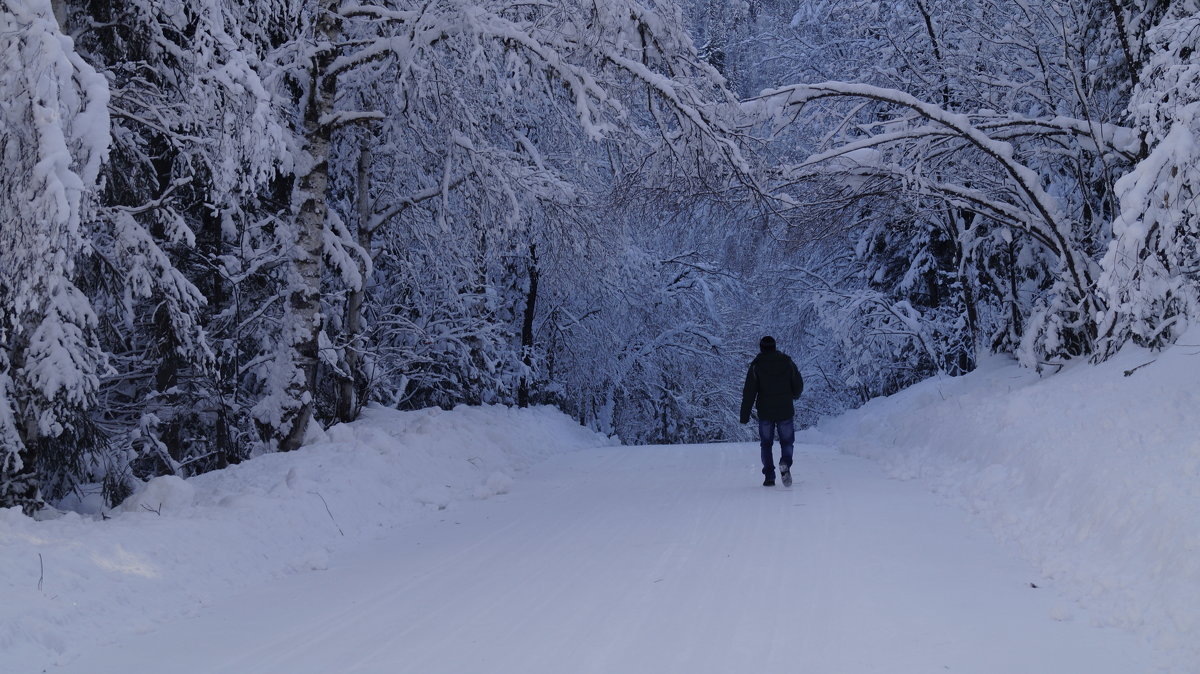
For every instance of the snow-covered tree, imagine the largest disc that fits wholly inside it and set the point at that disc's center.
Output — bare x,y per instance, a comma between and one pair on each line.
54,136
1151,272
992,117
183,239
482,109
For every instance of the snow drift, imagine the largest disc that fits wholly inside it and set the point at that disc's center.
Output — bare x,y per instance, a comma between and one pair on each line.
1094,473
176,544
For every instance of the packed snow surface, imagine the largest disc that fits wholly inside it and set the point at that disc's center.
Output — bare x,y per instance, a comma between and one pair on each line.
506,540
649,560
1093,474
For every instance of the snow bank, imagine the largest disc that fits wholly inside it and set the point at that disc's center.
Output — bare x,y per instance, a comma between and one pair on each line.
75,581
1094,473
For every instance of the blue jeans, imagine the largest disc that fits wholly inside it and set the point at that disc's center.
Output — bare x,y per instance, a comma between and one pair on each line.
766,436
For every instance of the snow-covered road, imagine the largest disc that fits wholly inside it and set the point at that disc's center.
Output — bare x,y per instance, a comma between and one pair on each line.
656,559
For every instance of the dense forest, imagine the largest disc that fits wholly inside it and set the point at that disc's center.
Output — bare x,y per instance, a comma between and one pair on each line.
224,222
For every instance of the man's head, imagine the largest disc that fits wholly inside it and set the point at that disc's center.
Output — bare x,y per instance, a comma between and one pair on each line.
766,344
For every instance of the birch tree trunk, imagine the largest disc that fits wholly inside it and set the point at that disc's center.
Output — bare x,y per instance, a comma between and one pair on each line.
304,301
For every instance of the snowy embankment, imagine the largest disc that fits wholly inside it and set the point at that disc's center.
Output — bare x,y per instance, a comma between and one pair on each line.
1094,473
69,583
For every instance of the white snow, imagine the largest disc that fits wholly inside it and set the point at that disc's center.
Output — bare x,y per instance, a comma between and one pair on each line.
655,559
1092,475
431,542
167,493
175,546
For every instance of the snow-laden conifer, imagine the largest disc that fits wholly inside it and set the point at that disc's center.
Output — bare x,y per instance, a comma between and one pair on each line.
54,138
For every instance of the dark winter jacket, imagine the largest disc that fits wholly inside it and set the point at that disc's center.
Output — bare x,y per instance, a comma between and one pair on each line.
774,382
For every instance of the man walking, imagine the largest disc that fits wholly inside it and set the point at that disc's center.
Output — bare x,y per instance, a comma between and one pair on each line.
774,382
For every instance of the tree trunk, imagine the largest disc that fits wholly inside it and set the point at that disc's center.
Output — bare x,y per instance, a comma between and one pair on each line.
304,301
527,326
962,224
1132,62
348,398
59,9
1016,327
19,479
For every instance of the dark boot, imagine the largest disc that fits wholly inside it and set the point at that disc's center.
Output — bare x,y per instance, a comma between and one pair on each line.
785,471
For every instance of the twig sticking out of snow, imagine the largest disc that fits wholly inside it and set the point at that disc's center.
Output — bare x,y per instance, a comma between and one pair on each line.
335,524
1135,369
